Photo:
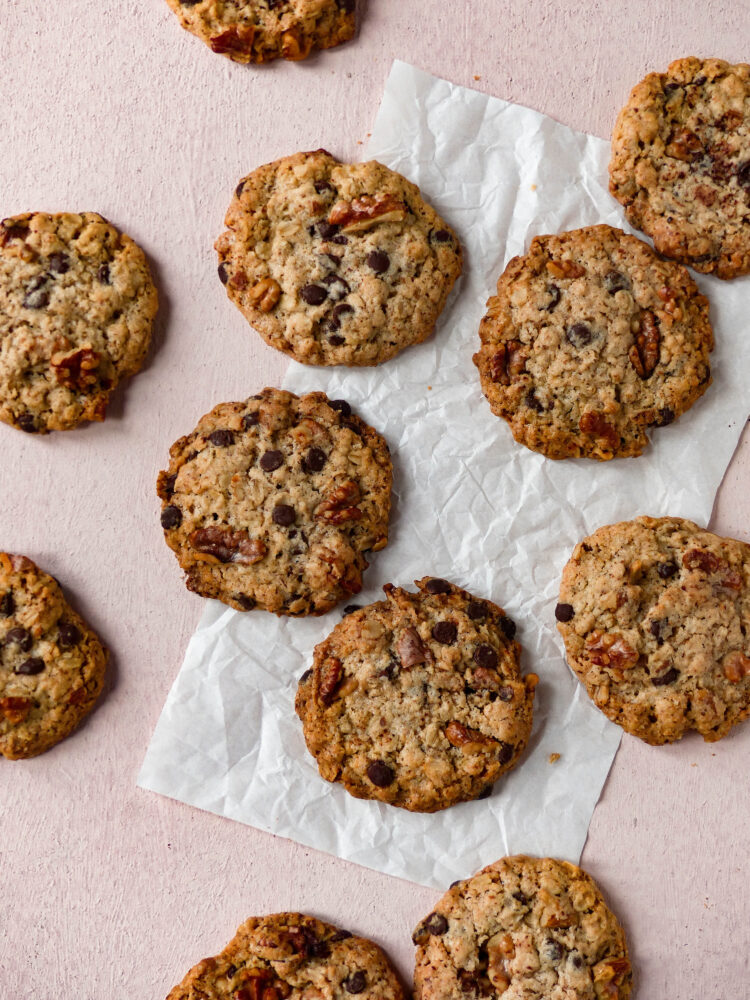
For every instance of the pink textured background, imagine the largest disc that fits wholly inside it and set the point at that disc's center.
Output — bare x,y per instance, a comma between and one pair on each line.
109,891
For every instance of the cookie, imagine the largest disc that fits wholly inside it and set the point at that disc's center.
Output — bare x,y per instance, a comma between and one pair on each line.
681,163
76,307
275,502
590,341
258,31
336,263
418,700
655,616
51,663
526,928
290,956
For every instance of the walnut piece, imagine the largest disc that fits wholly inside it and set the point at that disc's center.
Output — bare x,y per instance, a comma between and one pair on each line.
736,666
265,294
508,362
234,39
594,423
340,505
74,370
227,546
702,560
465,739
410,648
684,145
565,269
15,709
362,213
608,649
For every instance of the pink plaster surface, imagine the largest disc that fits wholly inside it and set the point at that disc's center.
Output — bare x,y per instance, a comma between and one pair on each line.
109,891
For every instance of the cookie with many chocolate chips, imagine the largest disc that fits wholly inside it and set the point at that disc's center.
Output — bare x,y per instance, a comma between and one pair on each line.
76,307
591,340
526,928
275,502
655,616
681,163
258,31
418,700
336,263
290,956
51,663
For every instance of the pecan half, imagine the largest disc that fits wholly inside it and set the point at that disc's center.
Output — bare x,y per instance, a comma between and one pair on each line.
330,678
340,505
644,354
235,39
594,423
75,369
465,739
500,949
702,560
15,709
361,213
227,546
565,269
265,294
410,648
736,666
607,649
508,362
684,145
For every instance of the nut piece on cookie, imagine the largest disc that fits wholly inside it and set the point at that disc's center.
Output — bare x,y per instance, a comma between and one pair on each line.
336,263
76,307
655,617
681,163
591,340
274,503
531,927
418,700
51,663
291,956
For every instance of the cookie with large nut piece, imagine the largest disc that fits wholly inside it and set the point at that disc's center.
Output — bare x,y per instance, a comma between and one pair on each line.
291,956
590,341
76,307
51,663
681,163
418,700
655,616
336,263
258,31
275,502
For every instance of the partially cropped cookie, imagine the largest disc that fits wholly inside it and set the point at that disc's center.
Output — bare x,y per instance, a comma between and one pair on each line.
275,502
76,308
418,700
336,263
51,663
655,616
591,340
290,956
681,163
522,928
258,31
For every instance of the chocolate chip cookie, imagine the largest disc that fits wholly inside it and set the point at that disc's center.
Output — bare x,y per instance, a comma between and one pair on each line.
655,616
258,31
418,700
336,263
290,956
51,663
681,163
591,340
527,928
76,307
274,503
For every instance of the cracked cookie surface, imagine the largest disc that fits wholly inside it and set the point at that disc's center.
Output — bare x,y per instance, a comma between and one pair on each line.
336,263
291,956
51,663
681,163
274,502
76,307
418,700
655,616
525,929
258,31
590,340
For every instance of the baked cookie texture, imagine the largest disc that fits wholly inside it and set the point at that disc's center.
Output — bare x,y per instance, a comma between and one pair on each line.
51,663
525,929
418,700
681,163
275,502
76,308
258,31
291,956
591,340
336,263
655,616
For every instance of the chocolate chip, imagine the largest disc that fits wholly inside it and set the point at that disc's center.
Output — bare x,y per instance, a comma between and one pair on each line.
327,230
579,335
665,416
340,239
317,949
7,605
245,602
485,793
379,773
34,665
306,676
336,341
391,671
240,188
350,609
321,186
669,678
508,627
103,274
21,638
666,569
68,635
223,273
476,610
616,281
36,297
435,924
532,402
271,460
485,656
520,897
26,422
698,81
341,935
445,633
378,261
355,983
337,287
743,174
250,420
314,460
437,586
505,693
59,263
313,295
283,515
441,236
577,961
339,310
553,950
454,884
564,612
231,971
505,753
341,406
346,5
222,439
554,293
171,517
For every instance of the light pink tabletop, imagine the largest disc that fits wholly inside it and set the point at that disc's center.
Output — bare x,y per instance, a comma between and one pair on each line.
109,891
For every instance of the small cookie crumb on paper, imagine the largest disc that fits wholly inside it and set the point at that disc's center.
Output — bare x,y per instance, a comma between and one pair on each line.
554,757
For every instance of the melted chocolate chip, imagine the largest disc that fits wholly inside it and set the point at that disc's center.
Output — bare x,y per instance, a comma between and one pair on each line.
743,174
337,287
564,612
435,924
378,261
341,935
336,341
669,678
532,402
341,240
520,897
341,406
171,517
222,439
437,586
314,460
355,983
313,295
350,609
380,774
306,676
505,753
240,188
485,656
37,296
283,515
554,293
579,335
666,569
445,633
223,273
476,610
34,665
322,186
7,605
231,971
26,422
664,416
553,950
391,671
508,627
327,230
250,420
68,635
441,236
271,460
59,263
103,274
485,793
21,638
245,602
616,281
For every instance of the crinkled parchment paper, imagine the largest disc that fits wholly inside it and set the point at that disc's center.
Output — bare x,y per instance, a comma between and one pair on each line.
469,504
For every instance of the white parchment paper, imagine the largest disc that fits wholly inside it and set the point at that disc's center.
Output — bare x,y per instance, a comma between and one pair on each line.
469,504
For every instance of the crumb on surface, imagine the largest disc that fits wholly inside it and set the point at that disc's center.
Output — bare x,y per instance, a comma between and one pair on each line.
553,758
